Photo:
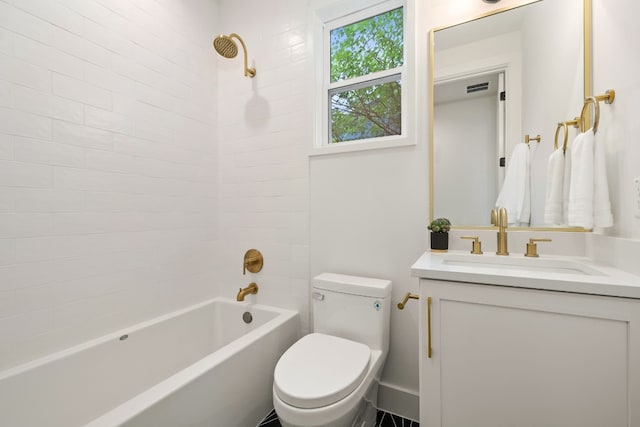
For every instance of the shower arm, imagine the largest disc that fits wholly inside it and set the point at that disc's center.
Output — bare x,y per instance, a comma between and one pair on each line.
250,72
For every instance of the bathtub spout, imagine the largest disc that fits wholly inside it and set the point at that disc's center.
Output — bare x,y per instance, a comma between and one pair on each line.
251,289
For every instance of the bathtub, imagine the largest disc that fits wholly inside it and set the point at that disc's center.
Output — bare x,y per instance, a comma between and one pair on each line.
199,366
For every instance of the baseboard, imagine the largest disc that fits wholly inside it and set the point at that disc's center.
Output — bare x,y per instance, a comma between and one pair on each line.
400,401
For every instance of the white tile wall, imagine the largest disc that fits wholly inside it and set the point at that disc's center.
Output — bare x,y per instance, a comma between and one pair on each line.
108,167
264,134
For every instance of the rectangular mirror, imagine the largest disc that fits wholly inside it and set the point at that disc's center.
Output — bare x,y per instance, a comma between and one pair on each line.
494,79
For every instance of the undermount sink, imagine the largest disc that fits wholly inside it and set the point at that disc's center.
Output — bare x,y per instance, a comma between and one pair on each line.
548,272
540,265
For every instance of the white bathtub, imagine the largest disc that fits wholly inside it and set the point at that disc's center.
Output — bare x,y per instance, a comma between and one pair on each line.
200,366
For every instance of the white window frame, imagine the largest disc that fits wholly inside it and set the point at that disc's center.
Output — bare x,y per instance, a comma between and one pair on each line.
339,15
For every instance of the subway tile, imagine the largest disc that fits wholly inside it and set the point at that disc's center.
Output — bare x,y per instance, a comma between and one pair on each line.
109,161
47,152
81,179
47,105
20,22
84,136
52,13
7,199
6,44
6,146
14,225
15,174
6,94
107,120
31,200
47,57
24,124
77,90
7,251
23,73
7,303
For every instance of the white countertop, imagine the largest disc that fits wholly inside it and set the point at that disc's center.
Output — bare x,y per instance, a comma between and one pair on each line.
548,272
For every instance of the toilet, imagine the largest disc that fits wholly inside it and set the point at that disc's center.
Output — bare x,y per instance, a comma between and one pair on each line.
330,377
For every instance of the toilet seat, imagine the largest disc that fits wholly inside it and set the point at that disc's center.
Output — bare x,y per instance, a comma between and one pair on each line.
319,370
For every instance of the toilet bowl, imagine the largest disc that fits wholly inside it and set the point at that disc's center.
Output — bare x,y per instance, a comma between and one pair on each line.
330,377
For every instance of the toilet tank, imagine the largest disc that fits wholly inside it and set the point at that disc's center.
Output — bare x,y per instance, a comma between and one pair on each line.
352,307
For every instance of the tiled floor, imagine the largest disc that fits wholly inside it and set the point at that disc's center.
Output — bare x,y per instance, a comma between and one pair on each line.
385,419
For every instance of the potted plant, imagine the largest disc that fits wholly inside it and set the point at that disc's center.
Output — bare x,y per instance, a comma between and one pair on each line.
440,234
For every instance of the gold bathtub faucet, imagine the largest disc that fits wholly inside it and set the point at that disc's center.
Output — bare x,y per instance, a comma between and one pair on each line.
499,219
252,289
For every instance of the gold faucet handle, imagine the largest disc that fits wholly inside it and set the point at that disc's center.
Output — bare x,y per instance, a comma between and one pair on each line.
476,246
253,261
532,248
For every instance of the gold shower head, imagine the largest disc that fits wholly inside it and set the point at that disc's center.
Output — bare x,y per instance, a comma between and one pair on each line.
228,48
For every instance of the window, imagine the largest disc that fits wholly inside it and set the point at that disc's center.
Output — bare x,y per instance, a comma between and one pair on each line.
363,91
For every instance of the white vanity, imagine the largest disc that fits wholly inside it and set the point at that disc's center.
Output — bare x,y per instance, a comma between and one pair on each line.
527,342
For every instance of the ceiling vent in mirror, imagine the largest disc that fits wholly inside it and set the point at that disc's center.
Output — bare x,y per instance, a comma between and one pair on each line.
478,87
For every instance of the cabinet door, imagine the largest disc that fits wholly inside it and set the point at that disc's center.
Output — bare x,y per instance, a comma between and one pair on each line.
507,357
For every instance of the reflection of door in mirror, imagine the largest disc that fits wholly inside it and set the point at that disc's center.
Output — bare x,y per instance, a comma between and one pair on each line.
469,123
538,48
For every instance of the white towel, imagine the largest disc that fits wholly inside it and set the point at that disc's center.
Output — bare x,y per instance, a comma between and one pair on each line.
566,185
581,190
515,193
602,216
555,181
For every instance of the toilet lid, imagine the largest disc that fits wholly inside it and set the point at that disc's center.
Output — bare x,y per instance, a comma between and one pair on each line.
319,370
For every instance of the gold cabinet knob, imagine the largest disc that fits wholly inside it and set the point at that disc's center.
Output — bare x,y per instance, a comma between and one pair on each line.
532,248
476,245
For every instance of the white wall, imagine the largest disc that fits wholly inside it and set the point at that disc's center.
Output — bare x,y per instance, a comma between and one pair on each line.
264,136
108,167
617,66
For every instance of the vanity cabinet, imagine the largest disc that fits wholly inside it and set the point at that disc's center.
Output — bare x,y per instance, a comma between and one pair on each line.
505,356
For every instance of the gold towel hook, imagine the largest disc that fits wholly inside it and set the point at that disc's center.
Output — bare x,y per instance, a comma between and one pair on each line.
528,139
596,120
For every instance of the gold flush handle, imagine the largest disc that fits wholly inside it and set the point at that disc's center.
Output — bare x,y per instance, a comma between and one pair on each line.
532,248
406,298
253,261
476,245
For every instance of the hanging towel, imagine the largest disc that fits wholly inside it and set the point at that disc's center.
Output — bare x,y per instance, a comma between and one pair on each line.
515,193
581,188
566,184
555,181
602,216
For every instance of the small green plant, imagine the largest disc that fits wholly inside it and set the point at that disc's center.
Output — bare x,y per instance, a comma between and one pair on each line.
440,225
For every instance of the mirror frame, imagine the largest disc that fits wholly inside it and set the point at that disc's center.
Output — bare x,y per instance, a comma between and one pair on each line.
587,66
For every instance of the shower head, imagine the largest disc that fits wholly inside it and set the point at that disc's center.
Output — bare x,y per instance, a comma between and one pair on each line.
228,48
225,46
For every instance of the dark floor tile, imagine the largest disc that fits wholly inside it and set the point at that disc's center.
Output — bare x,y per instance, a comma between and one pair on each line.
383,419
271,420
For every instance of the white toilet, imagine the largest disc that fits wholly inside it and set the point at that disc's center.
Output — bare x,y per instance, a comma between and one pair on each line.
330,377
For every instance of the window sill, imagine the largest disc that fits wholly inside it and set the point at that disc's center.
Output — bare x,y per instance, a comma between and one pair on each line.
348,147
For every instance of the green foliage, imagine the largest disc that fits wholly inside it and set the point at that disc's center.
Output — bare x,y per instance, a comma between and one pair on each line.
440,225
358,49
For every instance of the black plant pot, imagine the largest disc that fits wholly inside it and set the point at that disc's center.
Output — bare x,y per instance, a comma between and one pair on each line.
439,242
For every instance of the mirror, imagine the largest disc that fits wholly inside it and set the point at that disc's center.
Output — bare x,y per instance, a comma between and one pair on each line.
495,79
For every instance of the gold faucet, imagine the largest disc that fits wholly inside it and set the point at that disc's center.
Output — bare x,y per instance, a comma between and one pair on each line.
499,219
252,289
